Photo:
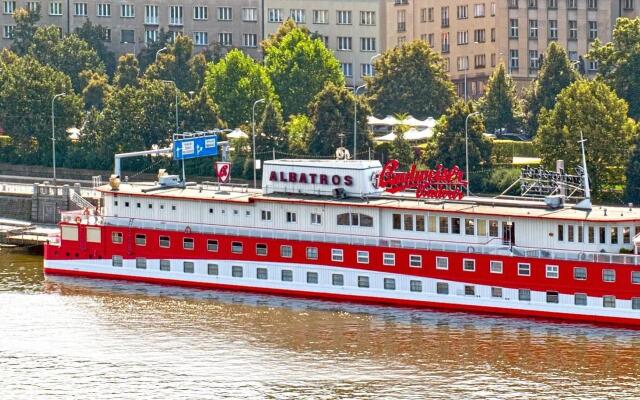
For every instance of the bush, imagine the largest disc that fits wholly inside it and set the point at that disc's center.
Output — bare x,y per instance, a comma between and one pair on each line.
505,150
500,179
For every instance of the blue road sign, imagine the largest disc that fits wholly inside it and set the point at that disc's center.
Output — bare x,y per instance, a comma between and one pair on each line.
194,147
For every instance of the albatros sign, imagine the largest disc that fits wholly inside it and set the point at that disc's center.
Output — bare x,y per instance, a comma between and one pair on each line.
437,183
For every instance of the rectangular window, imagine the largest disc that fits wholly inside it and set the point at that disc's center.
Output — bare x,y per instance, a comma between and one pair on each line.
592,234
552,4
250,14
513,28
628,5
212,245
225,13
127,36
553,29
312,277
225,39
347,69
553,297
561,232
236,247
363,257
286,251
188,267
312,253
580,299
261,249
286,275
496,292
573,30
298,15
580,273
570,235
635,303
344,43
495,267
187,243
9,7
469,227
151,15
141,240
455,225
408,222
415,261
165,265
524,294
603,234
580,234
337,255
469,290
572,4
367,18
150,36
320,16
442,288
344,17
116,261
316,219
493,228
524,269
389,284
514,59
444,38
593,30
444,17
626,235
337,279
212,269
389,259
442,263
200,13
444,225
265,215
397,221
55,8
614,235
141,263
127,11
415,286
103,10
431,222
608,275
291,217
236,271
363,281
275,14
609,301
165,242
462,12
420,223
478,10
468,265
635,277
201,38
80,9
552,271
261,273
367,44
116,237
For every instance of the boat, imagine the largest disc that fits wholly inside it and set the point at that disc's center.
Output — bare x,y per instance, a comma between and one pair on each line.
360,231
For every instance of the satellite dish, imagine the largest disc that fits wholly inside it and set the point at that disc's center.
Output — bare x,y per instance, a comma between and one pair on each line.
342,154
431,123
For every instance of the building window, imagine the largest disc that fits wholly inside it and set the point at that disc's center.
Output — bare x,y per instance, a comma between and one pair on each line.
164,241
444,47
628,5
462,12
478,10
150,36
312,253
552,271
524,294
635,303
608,275
533,59
187,243
212,269
236,247
368,44
593,30
479,35
347,69
572,4
401,21
337,279
337,255
354,219
291,217
33,6
275,15
225,39
463,37
80,9
141,240
297,15
286,275
286,251
103,10
553,297
602,233
524,269
261,249
127,11
495,267
236,271
116,237
363,281
496,292
151,15
626,235
469,290
141,263
165,265
442,288
367,18
493,228
225,13
201,38
468,265
344,43
389,259
635,277
513,28
9,7
116,261
573,30
261,273
212,245
127,36
514,59
415,261
552,4
200,13
320,16
580,273
408,222
312,277
250,14
455,222
344,17
363,257
266,215
444,17
444,225
316,219
389,284
609,301
580,299
553,29
533,29
513,3
442,263
188,267
415,286
420,223
55,8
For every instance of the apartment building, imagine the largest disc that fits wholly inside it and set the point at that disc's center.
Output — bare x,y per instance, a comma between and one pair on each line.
474,35
353,30
131,25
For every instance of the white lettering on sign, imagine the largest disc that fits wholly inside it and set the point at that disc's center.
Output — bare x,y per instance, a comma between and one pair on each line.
188,147
209,143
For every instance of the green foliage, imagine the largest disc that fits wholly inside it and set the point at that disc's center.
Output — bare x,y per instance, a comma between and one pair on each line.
94,36
556,73
499,179
200,113
26,25
175,64
299,130
505,150
96,89
127,71
270,133
147,55
300,67
619,62
410,78
235,83
500,105
332,115
590,107
401,150
632,191
274,39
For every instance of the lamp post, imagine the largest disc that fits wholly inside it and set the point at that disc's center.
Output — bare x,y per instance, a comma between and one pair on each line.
253,129
175,87
355,119
53,133
160,51
466,147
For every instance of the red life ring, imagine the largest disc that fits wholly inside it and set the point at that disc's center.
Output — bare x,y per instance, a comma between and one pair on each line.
78,220
187,230
86,211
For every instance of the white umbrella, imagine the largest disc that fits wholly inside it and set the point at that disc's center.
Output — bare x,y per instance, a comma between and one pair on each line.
372,120
237,134
389,137
389,120
413,134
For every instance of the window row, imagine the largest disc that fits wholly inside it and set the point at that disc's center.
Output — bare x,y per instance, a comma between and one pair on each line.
299,15
596,234
440,224
569,4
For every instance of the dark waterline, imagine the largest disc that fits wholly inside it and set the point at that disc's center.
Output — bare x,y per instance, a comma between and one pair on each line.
79,338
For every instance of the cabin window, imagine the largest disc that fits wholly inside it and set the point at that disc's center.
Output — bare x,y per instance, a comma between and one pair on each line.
261,249
524,294
150,206
141,263
580,273
212,245
312,253
420,223
286,275
165,242
115,203
592,234
524,269
609,301
396,219
261,273
312,277
116,237
236,247
316,219
94,234
415,286
116,261
388,259
265,215
363,281
337,255
126,204
496,292
138,205
343,219
432,222
415,261
635,277
561,232
444,225
355,219
469,227
603,235
469,290
580,234
626,235
286,251
455,225
236,212
442,263
408,222
173,208
468,265
363,257
442,288
337,279
211,211
614,235
389,284
188,267
570,233
635,303
493,228
553,297
580,299
482,227
165,265
212,269
187,243
141,240
291,217
495,267
236,271
608,275
552,271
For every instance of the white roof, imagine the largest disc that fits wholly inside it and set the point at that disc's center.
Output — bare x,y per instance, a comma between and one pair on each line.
412,135
409,121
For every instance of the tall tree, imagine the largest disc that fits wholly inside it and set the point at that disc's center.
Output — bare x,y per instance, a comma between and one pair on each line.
26,24
200,112
632,190
556,73
270,133
332,116
274,39
299,129
235,83
500,105
619,61
300,67
147,55
174,64
94,35
401,150
96,89
127,71
411,78
590,107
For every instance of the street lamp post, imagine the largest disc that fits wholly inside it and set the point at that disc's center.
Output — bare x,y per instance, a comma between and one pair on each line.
253,128
53,133
160,51
355,119
175,87
466,147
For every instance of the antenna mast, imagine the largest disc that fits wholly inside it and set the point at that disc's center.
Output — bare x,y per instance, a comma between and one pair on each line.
586,203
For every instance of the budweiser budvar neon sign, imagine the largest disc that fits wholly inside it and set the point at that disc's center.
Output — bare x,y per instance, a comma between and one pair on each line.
438,183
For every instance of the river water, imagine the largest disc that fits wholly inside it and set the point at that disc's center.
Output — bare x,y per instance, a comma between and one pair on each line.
89,339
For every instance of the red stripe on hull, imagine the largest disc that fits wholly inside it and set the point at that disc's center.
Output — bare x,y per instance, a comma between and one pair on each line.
629,322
